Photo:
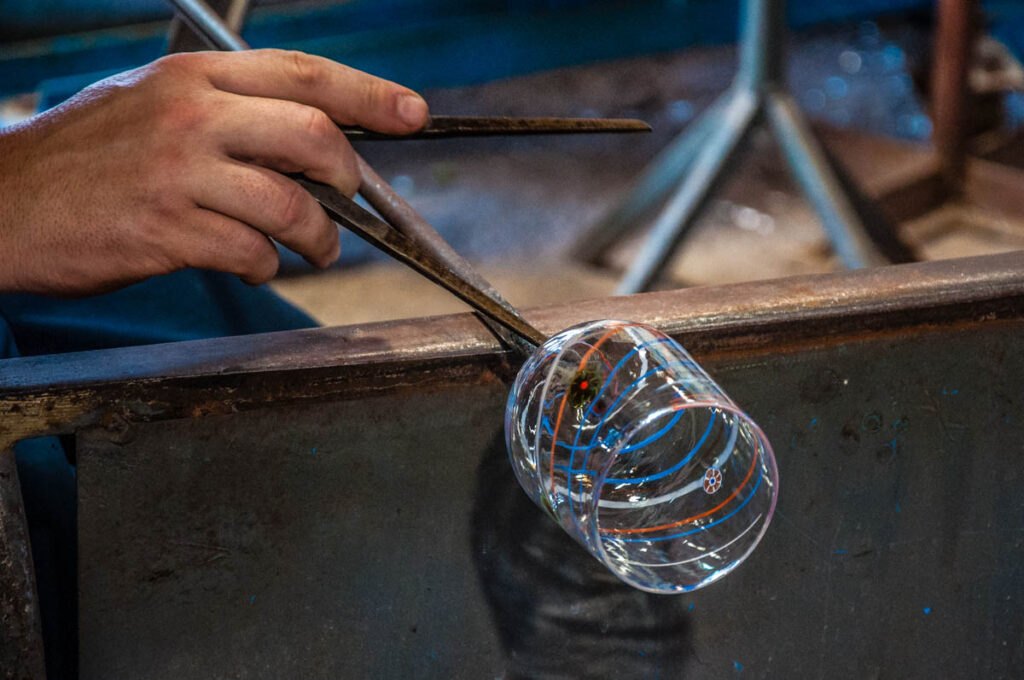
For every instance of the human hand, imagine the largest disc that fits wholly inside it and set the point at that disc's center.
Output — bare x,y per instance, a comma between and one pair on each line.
178,164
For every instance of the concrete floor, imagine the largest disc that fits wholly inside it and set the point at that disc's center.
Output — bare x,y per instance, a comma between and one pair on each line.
513,207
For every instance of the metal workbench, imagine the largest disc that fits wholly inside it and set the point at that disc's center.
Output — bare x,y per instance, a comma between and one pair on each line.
337,502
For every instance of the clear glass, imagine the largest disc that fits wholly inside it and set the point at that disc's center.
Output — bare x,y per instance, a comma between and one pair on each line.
639,455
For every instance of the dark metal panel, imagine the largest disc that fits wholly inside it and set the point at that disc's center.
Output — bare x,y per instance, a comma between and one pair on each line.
386,536
326,542
21,647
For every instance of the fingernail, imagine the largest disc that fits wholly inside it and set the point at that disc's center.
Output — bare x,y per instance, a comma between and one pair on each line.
412,110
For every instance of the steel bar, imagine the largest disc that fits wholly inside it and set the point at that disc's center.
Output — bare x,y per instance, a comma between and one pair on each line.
679,214
874,215
455,273
657,182
208,25
820,185
762,43
955,32
446,127
181,39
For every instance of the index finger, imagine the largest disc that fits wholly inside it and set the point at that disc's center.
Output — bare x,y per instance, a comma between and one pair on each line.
347,95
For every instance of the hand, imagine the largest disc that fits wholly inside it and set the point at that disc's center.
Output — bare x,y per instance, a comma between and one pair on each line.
178,164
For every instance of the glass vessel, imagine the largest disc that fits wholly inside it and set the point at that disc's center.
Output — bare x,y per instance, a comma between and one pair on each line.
617,433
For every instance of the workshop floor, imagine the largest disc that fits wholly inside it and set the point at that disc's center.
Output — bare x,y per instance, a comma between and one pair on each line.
514,207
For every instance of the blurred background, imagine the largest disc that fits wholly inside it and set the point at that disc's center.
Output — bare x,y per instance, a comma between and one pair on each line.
862,72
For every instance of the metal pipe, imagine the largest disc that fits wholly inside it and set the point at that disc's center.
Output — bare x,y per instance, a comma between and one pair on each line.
762,43
181,39
657,182
679,215
813,173
953,40
208,25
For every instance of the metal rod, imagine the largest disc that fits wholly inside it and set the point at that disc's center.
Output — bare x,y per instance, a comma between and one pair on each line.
657,182
209,26
447,127
953,40
813,173
859,233
762,43
680,213
21,636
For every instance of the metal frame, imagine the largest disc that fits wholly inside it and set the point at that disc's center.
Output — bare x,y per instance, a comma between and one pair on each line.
957,24
689,171
113,389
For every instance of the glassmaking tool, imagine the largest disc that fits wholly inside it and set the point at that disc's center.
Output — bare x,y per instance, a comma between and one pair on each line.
447,127
403,233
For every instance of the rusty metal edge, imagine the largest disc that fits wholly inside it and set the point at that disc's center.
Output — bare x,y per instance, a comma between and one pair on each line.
112,388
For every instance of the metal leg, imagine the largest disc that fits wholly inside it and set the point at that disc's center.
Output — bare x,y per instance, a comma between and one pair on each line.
181,38
21,641
872,221
664,174
705,174
820,184
857,229
956,29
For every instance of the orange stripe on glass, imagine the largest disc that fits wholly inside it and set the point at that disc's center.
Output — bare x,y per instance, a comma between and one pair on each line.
565,398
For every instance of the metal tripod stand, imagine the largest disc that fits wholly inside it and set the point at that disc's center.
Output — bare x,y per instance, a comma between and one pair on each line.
695,164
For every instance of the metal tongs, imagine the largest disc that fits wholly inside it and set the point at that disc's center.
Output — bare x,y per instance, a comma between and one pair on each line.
406,236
